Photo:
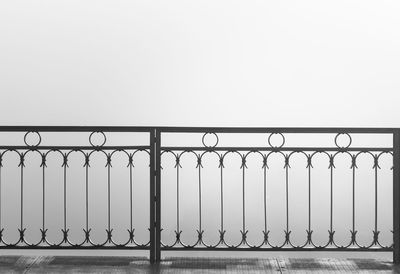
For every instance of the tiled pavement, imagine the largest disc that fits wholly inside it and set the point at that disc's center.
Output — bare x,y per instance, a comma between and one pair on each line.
101,264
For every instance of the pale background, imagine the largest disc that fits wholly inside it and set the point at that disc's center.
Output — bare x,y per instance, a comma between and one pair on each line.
200,63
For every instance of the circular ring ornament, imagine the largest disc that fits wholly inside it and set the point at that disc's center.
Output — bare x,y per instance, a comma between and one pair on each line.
269,140
39,139
203,140
337,138
91,141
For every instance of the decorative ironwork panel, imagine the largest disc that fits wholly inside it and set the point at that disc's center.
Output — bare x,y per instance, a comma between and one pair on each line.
77,176
235,209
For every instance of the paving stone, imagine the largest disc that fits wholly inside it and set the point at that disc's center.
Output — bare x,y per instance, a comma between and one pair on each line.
181,265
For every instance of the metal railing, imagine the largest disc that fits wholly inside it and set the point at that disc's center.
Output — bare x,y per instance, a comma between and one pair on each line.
164,158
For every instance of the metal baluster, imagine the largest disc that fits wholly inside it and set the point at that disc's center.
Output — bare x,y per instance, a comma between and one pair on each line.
354,198
222,198
177,196
109,197
44,197
331,199
243,201
1,165
376,196
22,195
309,197
87,197
130,196
199,167
287,196
265,198
65,197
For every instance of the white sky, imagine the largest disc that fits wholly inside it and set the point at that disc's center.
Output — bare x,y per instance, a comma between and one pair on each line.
200,63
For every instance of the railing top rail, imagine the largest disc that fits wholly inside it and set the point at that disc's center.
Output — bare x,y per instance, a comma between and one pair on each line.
77,128
202,129
280,129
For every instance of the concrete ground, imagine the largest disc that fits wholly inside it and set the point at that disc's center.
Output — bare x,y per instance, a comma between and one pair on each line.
287,263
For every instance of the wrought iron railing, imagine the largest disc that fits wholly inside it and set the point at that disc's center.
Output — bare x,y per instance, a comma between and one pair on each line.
194,192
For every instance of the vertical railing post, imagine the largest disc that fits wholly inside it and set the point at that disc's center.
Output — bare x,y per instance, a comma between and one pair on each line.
158,196
396,196
152,195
